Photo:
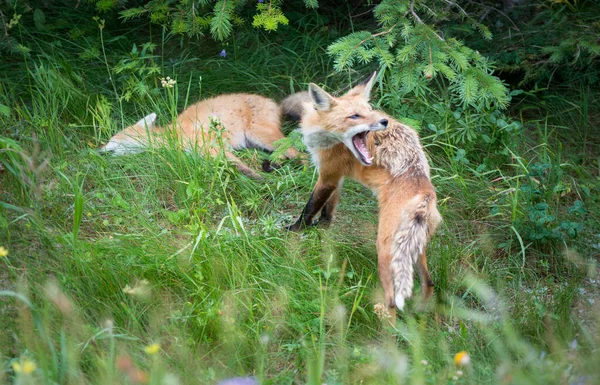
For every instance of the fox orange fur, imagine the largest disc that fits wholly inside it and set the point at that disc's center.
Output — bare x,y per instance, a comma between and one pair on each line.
348,138
249,121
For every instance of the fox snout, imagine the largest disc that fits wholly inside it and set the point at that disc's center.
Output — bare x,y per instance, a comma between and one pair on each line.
380,125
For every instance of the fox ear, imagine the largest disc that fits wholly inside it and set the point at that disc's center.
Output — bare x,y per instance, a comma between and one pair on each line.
369,85
322,101
148,121
364,88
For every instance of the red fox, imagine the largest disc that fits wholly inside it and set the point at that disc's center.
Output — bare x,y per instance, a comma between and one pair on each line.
348,138
249,121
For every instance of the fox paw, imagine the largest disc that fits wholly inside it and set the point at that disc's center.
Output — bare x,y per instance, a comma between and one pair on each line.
299,225
268,166
295,227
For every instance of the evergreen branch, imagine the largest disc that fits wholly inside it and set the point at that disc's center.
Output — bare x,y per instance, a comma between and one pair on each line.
418,19
459,7
489,9
130,13
220,26
448,72
412,11
269,17
373,36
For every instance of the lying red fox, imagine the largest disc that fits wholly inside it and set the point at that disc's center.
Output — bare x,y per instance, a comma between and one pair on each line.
249,121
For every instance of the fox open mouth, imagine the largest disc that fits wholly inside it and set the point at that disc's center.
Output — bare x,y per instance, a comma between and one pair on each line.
360,144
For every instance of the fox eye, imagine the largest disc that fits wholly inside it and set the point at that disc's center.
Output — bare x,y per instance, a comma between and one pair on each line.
354,117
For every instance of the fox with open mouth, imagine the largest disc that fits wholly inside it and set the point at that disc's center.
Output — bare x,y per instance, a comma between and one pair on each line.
348,138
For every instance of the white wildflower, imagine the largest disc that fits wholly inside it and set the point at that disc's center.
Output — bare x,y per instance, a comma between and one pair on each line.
167,82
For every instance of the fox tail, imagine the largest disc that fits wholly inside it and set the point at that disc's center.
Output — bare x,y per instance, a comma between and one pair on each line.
133,139
294,105
418,222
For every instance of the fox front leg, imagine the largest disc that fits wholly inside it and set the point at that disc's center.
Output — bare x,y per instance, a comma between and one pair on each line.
328,210
318,199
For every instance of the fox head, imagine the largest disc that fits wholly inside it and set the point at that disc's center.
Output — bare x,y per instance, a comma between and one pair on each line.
346,119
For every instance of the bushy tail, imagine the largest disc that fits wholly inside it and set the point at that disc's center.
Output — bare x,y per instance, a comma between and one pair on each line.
418,221
121,145
293,106
132,139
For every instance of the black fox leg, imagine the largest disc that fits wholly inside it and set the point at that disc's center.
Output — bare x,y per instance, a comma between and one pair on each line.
319,198
328,211
426,282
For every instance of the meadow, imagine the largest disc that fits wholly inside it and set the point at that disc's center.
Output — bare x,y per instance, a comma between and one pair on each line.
174,268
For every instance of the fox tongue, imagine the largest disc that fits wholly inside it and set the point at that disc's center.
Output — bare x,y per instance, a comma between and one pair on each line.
360,143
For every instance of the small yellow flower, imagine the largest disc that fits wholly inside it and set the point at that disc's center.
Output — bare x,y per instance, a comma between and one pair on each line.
26,366
462,358
152,349
3,251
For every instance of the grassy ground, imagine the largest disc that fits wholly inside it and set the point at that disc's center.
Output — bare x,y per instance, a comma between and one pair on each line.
169,268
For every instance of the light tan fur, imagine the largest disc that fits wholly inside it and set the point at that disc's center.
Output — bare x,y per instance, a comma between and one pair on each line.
248,121
398,175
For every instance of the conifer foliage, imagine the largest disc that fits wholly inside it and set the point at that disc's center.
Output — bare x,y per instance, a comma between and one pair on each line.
413,53
195,18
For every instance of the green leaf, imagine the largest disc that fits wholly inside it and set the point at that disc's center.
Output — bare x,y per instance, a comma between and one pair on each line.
4,110
577,208
39,18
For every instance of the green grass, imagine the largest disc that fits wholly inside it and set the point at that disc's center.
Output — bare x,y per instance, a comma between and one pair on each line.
110,255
